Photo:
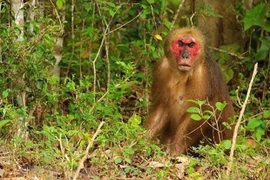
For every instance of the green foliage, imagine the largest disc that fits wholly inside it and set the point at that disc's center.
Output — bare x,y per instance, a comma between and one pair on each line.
258,125
255,16
256,26
60,3
258,18
198,114
208,11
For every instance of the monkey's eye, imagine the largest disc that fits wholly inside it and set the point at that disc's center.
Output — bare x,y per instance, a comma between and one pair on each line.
180,44
191,44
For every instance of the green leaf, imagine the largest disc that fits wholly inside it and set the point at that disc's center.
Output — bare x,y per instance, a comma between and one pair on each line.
128,151
112,13
253,123
193,101
259,133
227,72
117,160
201,102
3,123
111,4
59,3
264,49
150,1
267,26
220,106
127,85
193,110
135,120
210,113
196,117
255,16
5,93
206,117
227,144
266,113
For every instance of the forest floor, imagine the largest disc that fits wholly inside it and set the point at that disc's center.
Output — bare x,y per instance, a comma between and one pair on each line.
16,168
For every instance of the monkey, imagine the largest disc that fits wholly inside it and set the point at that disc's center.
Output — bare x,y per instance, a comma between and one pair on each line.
187,72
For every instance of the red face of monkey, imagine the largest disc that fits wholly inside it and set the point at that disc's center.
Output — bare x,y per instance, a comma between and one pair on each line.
185,50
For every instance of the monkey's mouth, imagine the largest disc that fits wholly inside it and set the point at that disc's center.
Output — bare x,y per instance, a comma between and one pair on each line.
184,67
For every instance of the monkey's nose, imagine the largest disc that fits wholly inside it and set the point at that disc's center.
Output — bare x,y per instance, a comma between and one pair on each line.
185,54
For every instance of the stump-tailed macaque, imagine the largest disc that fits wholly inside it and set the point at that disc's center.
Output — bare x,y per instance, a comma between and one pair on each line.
186,72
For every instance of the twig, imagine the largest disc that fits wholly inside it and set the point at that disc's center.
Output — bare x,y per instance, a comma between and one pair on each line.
125,23
90,144
176,14
98,53
240,119
191,19
58,17
230,53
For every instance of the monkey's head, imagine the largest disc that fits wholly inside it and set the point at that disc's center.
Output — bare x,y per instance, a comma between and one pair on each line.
184,48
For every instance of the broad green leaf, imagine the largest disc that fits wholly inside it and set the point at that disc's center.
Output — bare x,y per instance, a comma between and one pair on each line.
220,106
259,133
266,113
5,93
201,102
264,49
112,13
255,16
253,123
227,144
267,26
206,117
196,117
59,3
193,110
264,124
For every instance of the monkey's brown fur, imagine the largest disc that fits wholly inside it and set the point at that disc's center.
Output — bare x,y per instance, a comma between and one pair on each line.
173,87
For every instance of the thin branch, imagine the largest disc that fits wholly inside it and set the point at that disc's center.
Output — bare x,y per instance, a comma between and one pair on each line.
58,17
107,92
90,144
105,34
240,119
98,53
108,62
72,36
177,13
125,23
191,19
227,52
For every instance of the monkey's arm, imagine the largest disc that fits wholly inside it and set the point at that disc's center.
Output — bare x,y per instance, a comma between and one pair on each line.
156,121
158,116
